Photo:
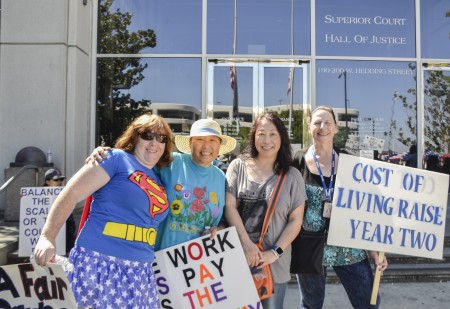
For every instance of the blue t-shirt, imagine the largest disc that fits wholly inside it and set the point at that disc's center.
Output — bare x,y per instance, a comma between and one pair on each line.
127,211
196,196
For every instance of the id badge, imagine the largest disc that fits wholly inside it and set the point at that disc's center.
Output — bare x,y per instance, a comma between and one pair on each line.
327,209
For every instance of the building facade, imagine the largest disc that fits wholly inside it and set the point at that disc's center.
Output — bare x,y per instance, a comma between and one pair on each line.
73,73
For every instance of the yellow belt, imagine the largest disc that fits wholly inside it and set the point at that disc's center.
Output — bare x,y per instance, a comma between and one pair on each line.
130,232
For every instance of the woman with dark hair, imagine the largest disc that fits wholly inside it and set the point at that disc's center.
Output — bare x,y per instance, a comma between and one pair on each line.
113,254
318,165
251,179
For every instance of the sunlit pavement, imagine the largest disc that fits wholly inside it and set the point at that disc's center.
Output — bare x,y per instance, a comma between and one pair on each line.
432,295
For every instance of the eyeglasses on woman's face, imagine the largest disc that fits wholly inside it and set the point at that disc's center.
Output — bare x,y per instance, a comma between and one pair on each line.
149,136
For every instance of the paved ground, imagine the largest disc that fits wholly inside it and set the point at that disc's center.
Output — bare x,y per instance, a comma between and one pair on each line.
433,295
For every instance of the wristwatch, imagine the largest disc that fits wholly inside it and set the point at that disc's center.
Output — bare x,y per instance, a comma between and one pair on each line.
278,250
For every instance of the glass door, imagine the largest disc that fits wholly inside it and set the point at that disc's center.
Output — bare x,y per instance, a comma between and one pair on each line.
238,91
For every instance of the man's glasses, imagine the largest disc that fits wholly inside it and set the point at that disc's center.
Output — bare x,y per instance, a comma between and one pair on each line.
149,136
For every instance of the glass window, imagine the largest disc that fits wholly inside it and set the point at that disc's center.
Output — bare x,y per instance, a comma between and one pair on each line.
129,86
263,27
379,99
435,24
222,115
283,96
436,110
178,114
382,28
142,26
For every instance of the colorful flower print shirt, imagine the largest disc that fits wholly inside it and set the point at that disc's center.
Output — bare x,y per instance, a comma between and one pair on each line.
196,196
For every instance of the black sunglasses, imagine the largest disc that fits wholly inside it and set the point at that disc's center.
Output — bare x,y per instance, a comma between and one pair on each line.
149,136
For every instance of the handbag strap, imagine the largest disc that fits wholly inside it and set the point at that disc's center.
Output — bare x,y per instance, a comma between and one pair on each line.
272,204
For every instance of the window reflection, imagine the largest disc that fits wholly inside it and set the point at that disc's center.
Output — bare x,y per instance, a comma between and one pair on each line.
129,86
375,101
263,27
142,26
283,96
436,107
381,104
435,25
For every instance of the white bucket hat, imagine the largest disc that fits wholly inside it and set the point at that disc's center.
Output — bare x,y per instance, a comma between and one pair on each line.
205,127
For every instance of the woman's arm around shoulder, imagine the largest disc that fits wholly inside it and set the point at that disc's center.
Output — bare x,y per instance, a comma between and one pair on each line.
86,181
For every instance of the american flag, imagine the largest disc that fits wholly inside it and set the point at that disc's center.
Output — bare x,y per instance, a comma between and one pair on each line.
233,84
232,75
291,75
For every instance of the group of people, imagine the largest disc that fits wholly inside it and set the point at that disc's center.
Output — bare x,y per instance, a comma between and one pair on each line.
147,197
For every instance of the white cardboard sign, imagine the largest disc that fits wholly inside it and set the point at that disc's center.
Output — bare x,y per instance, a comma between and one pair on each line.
387,207
374,143
35,204
33,286
205,273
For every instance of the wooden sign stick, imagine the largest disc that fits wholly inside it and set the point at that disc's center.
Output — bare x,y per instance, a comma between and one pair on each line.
376,281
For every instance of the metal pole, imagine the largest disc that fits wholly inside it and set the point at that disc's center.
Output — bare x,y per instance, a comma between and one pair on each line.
291,73
345,98
345,103
291,103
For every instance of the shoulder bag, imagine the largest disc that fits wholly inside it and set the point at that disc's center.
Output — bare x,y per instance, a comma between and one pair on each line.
263,277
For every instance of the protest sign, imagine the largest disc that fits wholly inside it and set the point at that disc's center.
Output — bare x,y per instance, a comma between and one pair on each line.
373,143
364,153
205,273
352,143
35,204
33,286
387,207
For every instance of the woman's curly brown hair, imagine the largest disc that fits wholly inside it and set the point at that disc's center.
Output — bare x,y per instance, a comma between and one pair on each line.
147,122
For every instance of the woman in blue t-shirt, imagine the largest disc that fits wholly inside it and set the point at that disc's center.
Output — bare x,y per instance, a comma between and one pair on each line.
114,251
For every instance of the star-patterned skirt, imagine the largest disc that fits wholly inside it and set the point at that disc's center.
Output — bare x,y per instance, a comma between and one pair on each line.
101,281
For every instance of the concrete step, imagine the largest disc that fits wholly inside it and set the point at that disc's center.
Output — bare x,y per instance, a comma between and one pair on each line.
13,258
407,259
408,273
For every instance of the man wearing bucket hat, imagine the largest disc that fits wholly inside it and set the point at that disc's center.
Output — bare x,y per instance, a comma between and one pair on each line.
195,187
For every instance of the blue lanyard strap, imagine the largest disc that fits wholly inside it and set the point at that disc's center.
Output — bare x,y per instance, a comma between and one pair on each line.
324,185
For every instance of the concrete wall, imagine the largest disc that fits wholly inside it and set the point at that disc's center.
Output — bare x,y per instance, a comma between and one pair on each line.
45,69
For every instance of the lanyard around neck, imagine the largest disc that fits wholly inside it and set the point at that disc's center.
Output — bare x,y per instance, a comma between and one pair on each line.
324,185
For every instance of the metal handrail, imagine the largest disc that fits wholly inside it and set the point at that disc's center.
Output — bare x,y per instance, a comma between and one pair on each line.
23,169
